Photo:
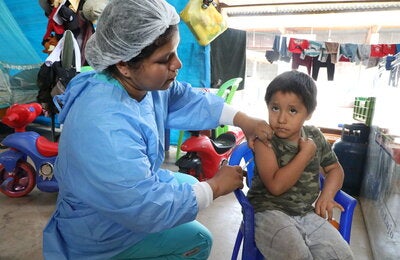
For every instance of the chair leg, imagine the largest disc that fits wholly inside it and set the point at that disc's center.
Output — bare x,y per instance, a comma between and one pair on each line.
179,143
238,243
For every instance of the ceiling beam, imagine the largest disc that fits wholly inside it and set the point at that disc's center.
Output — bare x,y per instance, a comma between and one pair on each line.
256,3
310,7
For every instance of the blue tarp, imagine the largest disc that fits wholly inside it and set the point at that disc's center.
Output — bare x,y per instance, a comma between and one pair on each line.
195,58
22,26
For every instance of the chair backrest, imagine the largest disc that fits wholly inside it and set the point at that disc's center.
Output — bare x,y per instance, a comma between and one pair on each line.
242,151
227,90
242,154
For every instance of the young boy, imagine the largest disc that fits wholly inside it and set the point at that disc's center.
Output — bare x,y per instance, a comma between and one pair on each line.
286,179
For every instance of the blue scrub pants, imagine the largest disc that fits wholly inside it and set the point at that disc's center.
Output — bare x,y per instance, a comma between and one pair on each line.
187,241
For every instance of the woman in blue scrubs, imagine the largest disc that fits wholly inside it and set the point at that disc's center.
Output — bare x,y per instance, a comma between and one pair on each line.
115,202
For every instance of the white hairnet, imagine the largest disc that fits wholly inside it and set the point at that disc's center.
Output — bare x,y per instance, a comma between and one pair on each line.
125,28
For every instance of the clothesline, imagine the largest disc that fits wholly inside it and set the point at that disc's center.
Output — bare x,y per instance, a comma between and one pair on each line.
316,54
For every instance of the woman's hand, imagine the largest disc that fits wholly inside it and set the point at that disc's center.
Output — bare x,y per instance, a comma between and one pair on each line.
253,128
226,180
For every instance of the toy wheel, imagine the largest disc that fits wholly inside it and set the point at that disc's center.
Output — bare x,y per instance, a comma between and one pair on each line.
21,183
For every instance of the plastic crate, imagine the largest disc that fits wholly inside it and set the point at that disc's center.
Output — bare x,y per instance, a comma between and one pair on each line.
364,109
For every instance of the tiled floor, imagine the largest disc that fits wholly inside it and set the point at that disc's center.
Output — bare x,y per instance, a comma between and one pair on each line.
22,221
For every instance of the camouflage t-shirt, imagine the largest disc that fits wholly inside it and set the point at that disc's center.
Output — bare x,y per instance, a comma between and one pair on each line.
297,201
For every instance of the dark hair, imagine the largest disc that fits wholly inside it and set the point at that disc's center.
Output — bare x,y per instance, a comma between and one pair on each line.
136,61
295,82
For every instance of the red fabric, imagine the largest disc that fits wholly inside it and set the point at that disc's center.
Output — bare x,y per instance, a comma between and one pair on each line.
389,49
297,45
52,26
377,50
306,62
343,58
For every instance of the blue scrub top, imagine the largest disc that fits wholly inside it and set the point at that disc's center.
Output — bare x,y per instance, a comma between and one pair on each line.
112,191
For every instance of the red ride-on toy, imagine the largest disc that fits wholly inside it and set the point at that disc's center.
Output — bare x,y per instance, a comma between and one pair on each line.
204,155
17,174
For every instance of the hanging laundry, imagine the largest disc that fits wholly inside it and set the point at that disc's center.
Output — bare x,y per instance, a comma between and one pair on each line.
298,61
382,50
389,49
58,69
363,53
377,50
323,56
330,67
68,19
314,54
397,48
297,45
50,44
332,48
348,52
388,62
273,55
68,15
284,54
53,28
314,49
394,76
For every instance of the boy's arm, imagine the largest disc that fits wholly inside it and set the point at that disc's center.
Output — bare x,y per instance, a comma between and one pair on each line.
279,180
334,176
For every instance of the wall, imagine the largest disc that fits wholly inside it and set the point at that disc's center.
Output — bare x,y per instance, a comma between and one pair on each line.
380,198
380,191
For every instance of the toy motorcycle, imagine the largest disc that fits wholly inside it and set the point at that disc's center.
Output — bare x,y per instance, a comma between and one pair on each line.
17,176
205,155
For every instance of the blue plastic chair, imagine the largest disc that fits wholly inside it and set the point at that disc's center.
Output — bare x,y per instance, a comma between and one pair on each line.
245,234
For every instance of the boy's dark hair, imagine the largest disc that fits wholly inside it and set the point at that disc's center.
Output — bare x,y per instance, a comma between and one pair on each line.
295,82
